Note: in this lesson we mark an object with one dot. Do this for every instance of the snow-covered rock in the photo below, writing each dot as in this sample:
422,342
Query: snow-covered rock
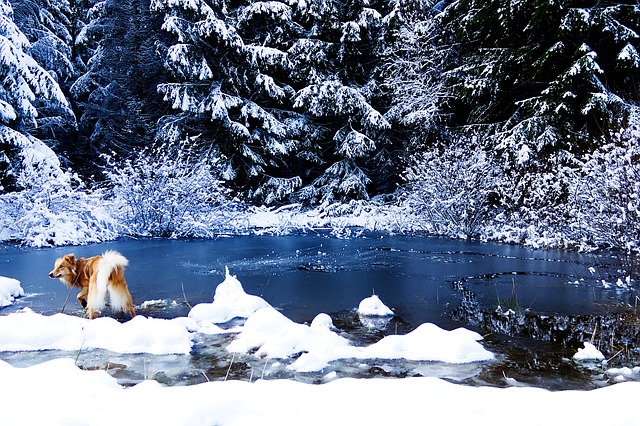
276,336
622,374
429,342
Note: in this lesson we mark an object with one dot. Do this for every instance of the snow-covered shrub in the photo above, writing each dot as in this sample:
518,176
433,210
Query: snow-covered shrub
535,207
450,188
172,192
608,193
53,207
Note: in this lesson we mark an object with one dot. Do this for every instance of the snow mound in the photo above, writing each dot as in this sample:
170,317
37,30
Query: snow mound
9,289
273,335
229,301
373,306
276,336
429,342
588,353
29,331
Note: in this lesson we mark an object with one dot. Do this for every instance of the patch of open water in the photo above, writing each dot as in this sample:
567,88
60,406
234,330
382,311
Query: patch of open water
534,307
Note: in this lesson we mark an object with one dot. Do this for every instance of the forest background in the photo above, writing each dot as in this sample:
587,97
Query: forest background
507,120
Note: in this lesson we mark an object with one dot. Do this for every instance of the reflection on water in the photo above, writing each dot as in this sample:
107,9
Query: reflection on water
447,282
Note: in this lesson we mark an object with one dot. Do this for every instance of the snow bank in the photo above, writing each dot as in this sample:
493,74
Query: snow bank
373,306
229,301
29,331
9,289
273,335
66,395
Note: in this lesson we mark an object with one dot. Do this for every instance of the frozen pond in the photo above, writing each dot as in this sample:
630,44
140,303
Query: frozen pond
449,283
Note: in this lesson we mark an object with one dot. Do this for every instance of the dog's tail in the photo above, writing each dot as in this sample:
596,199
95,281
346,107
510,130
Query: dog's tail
110,262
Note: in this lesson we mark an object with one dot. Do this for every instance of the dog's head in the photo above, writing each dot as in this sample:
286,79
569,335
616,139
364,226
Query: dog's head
64,268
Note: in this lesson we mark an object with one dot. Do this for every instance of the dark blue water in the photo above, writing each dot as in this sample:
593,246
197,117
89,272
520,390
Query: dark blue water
307,274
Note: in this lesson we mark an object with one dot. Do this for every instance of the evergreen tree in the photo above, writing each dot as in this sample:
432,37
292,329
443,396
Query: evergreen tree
25,86
282,92
223,91
544,81
51,26
117,100
48,25
342,96
545,76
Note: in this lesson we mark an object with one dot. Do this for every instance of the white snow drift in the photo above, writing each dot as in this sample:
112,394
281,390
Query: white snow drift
29,331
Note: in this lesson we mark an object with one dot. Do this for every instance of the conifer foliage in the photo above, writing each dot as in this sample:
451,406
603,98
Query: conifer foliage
25,91
282,91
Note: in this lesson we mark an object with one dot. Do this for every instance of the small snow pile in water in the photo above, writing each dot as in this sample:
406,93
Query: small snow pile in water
29,331
230,301
275,336
9,289
373,306
588,353
429,342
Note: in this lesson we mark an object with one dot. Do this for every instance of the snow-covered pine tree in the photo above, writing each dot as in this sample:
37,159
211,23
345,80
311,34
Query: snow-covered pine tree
284,91
25,85
48,24
116,96
51,27
340,91
412,75
229,88
542,79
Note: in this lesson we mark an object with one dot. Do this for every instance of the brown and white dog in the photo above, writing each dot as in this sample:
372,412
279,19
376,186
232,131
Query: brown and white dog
96,276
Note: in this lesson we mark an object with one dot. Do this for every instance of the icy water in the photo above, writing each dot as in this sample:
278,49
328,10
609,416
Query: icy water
534,306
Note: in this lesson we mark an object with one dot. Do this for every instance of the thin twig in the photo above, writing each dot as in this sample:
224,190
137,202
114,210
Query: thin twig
617,353
84,335
229,369
593,336
185,296
264,368
66,300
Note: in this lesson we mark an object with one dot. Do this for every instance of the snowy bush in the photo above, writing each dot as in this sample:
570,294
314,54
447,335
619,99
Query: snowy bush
53,208
170,193
608,194
449,189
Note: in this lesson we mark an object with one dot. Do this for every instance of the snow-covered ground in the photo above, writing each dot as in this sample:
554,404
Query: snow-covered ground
57,392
